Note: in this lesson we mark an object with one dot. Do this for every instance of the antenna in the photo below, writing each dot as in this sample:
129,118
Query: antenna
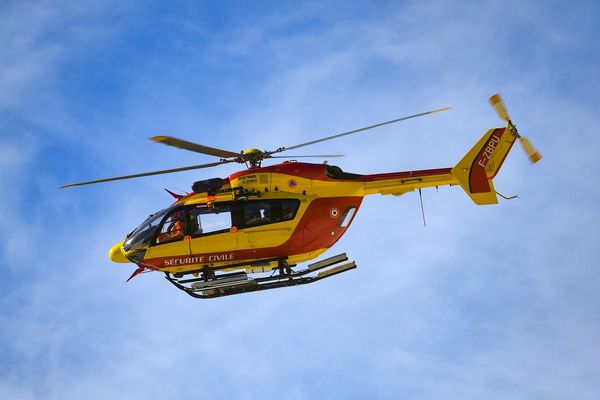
422,208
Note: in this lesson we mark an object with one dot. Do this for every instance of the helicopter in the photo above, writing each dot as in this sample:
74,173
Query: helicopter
252,230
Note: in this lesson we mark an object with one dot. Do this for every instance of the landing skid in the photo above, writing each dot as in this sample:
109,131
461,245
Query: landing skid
209,284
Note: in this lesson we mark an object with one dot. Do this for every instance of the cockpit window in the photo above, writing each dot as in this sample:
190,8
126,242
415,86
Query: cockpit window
145,232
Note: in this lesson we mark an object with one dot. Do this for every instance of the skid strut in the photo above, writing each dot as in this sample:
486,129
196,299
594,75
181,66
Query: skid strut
210,284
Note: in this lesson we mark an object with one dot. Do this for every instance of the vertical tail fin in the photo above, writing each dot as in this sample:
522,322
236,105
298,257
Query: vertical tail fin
476,170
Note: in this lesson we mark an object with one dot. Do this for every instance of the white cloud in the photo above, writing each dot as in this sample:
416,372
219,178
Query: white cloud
484,302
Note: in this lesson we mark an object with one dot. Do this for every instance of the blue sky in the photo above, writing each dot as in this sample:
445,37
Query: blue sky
485,302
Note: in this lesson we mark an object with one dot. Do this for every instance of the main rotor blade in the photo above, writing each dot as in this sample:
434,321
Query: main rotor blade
198,148
312,156
164,171
358,130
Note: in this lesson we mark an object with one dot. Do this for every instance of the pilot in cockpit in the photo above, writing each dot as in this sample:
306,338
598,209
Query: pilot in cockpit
175,230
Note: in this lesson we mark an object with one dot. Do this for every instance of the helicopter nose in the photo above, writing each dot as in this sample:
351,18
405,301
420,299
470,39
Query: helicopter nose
116,255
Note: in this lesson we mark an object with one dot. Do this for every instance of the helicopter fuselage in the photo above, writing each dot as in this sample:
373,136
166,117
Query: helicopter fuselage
290,210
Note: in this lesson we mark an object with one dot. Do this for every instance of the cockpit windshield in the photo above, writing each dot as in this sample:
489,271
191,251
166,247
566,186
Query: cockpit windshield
144,233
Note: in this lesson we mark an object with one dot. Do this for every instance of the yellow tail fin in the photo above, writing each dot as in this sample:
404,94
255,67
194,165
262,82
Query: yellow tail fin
480,165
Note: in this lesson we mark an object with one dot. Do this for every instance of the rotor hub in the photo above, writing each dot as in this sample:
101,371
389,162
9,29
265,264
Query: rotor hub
252,152
253,157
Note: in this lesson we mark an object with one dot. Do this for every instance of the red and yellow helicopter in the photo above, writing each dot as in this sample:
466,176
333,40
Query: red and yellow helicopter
251,230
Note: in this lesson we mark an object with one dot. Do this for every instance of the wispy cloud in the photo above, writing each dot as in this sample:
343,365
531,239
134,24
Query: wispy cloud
485,302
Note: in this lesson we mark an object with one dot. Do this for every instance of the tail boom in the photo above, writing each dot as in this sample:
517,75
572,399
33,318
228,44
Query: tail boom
398,183
474,172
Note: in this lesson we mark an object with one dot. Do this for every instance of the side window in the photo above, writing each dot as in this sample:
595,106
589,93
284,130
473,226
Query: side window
258,213
204,220
255,213
173,228
347,217
289,208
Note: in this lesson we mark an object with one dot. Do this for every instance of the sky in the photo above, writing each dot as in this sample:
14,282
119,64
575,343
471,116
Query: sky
490,302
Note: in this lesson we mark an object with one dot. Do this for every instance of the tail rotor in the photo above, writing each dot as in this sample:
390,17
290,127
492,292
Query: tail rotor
533,155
